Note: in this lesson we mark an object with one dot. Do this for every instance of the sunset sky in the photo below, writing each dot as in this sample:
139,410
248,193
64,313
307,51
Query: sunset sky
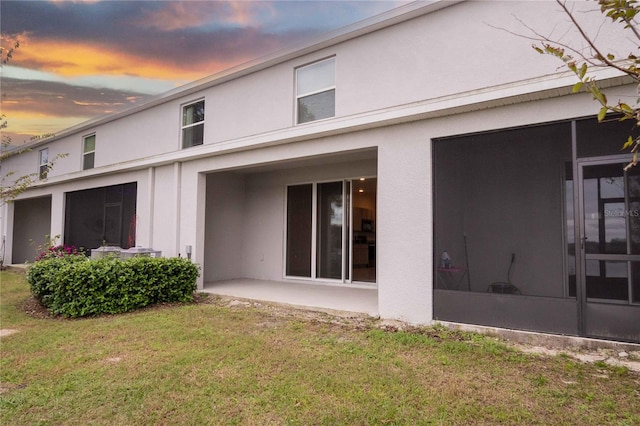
82,59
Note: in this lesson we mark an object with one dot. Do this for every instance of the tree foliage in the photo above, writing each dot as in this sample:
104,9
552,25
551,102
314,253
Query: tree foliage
621,12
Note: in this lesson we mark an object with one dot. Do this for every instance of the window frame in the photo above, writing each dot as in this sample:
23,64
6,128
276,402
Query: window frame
85,153
183,126
326,89
43,167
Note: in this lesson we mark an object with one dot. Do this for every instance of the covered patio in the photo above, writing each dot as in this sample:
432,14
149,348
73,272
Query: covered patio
360,300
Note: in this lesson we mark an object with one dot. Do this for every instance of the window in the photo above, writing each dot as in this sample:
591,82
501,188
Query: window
88,152
316,91
193,124
43,163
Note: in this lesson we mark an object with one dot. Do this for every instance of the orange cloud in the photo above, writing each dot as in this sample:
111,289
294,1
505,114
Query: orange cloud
27,123
81,59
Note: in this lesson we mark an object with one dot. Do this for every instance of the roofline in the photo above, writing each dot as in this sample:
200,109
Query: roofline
313,44
539,88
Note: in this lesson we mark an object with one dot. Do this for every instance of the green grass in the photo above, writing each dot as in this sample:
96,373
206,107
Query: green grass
208,363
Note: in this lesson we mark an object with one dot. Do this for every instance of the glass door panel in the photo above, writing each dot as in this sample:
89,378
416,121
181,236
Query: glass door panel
611,229
347,231
299,229
329,230
363,258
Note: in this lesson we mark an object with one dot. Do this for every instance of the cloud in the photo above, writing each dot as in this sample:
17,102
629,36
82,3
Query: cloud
34,106
85,58
173,16
114,82
168,35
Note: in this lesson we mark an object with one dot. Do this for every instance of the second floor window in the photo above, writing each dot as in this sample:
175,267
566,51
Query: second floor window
193,124
43,163
316,91
88,152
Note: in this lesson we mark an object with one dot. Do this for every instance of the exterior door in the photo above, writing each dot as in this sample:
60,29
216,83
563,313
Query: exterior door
609,229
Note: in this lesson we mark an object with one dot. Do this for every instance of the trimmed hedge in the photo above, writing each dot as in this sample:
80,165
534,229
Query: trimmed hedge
75,286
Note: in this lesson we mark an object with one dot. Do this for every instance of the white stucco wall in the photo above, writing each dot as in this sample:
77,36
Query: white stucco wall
224,230
166,190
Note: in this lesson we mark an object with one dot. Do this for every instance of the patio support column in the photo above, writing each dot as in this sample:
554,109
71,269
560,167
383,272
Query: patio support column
57,216
6,240
404,227
192,216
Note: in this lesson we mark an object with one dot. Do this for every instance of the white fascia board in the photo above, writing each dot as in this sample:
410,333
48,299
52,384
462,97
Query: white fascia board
366,26
524,91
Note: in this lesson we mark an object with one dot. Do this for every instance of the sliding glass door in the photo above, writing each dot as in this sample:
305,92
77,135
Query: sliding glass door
322,232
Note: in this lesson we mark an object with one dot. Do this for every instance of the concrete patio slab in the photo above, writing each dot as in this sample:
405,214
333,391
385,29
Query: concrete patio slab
310,295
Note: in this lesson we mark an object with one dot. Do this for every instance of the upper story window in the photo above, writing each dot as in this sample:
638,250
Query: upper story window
43,163
316,91
193,124
88,152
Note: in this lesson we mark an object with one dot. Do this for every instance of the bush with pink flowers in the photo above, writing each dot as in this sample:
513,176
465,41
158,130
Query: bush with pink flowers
60,250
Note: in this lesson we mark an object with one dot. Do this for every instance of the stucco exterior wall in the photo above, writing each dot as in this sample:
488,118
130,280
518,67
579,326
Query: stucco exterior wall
224,230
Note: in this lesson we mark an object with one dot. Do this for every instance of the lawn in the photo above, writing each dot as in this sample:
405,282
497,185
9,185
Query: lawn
256,364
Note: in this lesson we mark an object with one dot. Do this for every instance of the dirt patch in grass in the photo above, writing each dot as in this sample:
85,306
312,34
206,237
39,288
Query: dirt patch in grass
7,332
35,309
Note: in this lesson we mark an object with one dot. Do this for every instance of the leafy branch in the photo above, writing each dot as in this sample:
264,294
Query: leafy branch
621,12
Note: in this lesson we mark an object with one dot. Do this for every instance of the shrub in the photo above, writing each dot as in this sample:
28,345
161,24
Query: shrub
42,276
74,286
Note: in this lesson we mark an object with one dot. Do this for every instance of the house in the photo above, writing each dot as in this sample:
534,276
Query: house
358,159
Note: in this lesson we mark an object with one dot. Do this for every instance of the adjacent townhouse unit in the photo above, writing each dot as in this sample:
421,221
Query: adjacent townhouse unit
428,156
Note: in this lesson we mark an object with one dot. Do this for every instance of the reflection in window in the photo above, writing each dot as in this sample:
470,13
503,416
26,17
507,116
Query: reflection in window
612,209
193,124
612,228
329,232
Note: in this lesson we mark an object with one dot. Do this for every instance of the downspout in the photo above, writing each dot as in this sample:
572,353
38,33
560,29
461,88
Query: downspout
151,178
177,181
